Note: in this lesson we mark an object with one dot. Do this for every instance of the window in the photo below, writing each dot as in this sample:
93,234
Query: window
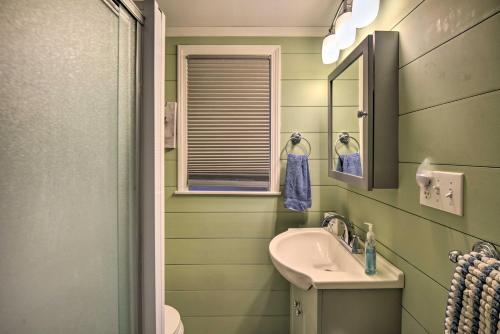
228,99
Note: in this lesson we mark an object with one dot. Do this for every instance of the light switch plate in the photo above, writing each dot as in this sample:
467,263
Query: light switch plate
445,192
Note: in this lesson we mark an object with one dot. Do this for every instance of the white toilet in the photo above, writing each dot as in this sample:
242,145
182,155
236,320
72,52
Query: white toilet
173,323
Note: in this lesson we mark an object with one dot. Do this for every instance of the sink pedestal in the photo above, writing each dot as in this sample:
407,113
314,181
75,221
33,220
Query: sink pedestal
330,292
345,311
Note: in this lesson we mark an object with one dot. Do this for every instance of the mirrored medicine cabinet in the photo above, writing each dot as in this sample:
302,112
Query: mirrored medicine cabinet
363,114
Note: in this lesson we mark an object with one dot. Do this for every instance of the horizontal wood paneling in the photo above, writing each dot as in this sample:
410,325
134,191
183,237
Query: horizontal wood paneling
423,297
237,325
306,93
224,277
350,73
409,325
468,126
345,93
235,224
465,66
438,21
345,119
304,66
224,303
481,208
217,251
397,230
304,119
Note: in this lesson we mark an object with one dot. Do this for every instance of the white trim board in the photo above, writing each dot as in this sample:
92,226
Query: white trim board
152,171
247,31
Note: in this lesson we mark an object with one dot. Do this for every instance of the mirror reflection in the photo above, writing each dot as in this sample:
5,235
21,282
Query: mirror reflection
347,120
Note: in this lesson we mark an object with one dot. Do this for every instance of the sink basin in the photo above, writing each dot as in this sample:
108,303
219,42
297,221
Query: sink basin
313,257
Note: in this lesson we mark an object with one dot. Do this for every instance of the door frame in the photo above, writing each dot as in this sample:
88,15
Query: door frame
152,170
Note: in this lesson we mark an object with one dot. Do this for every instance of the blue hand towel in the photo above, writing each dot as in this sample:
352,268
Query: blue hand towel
350,164
297,183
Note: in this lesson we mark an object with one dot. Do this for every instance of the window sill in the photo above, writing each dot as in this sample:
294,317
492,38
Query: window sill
229,193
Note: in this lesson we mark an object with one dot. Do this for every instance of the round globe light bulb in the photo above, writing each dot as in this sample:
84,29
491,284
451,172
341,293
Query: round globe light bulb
364,12
345,31
330,51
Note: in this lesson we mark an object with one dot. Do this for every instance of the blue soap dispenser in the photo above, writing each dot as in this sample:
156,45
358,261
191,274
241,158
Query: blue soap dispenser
370,253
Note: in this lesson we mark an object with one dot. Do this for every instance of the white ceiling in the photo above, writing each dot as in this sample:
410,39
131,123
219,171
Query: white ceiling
249,13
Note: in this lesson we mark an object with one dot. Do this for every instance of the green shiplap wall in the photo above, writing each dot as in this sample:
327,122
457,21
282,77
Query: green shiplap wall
449,93
218,273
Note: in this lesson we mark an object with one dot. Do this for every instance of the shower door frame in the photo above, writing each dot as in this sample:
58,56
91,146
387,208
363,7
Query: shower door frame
150,75
129,5
149,136
152,170
150,53
150,99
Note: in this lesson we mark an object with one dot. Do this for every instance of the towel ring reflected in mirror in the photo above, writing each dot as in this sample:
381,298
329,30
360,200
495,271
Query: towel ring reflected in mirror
295,139
344,138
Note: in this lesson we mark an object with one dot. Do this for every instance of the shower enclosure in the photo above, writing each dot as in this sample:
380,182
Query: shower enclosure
69,122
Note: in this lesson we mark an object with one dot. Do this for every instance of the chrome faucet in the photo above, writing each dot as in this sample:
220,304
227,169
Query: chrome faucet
349,238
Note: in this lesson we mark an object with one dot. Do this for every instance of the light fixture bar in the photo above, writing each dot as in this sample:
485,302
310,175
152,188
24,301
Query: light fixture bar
343,4
350,15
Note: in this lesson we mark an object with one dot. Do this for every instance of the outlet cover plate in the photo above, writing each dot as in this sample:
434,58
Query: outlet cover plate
444,193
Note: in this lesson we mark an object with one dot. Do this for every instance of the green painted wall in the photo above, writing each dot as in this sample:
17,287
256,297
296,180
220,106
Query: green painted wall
218,273
449,93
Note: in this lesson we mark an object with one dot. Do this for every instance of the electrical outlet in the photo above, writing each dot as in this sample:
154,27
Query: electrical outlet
444,193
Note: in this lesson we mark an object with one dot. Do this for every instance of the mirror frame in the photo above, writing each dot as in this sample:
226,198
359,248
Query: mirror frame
365,49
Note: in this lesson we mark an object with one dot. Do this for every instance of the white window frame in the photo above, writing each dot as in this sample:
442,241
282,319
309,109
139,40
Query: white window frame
183,51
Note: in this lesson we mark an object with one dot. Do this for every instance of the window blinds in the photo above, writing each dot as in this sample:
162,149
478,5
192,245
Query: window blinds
228,122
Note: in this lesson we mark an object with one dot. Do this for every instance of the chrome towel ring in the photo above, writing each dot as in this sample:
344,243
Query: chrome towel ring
295,139
482,247
344,138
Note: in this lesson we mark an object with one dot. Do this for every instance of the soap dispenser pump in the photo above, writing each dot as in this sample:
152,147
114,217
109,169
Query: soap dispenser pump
370,252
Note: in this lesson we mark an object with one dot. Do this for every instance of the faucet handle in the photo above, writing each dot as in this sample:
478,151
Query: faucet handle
332,227
355,244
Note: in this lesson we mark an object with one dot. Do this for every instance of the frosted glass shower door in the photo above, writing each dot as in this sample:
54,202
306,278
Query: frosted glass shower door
128,227
68,203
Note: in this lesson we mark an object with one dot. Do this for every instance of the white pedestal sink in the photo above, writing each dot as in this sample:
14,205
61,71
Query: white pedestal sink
330,292
313,257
